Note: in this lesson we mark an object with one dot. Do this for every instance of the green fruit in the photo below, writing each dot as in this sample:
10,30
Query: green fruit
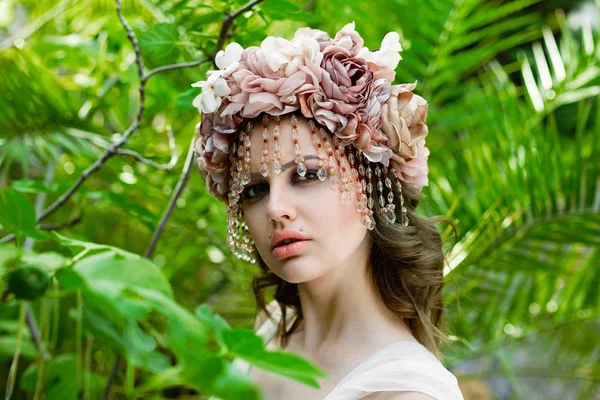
28,282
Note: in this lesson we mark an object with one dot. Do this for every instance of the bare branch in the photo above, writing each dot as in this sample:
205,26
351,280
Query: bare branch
176,66
68,224
164,167
228,21
112,150
183,178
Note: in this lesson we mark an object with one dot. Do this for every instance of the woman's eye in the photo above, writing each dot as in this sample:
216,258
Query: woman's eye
311,175
259,189
253,191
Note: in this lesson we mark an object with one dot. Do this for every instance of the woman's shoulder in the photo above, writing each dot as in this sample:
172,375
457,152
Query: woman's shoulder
402,367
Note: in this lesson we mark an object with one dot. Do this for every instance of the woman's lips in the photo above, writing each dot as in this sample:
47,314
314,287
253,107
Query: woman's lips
290,250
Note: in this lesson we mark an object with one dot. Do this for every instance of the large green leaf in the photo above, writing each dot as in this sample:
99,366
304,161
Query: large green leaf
17,215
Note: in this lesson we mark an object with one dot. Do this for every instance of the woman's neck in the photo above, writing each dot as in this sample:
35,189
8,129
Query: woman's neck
343,309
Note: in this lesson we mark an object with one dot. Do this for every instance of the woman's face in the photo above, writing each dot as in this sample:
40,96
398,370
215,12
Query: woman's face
290,202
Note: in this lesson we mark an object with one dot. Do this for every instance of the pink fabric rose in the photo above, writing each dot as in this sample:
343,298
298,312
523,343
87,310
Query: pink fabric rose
345,88
415,171
403,120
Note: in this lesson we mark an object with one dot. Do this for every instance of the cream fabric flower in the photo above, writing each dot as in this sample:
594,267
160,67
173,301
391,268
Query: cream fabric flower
213,91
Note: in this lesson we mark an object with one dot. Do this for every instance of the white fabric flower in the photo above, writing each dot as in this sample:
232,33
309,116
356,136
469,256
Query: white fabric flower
388,54
228,60
291,55
346,40
213,91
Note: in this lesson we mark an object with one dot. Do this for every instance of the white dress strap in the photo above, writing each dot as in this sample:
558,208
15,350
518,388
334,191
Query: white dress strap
401,366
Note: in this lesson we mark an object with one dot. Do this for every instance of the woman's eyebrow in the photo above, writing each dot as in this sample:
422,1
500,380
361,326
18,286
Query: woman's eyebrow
257,175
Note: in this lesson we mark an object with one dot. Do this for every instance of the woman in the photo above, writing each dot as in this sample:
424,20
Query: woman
321,161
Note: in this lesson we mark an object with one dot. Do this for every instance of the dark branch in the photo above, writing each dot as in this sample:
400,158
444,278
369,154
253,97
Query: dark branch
164,167
176,66
228,21
112,150
52,227
183,178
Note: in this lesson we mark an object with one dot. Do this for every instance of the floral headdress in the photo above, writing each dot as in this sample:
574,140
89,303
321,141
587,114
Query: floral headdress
337,83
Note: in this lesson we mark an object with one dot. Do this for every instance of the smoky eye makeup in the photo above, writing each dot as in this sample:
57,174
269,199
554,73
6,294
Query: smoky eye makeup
255,190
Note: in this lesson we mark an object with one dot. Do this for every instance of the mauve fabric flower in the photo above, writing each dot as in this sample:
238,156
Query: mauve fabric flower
403,118
413,172
345,87
213,153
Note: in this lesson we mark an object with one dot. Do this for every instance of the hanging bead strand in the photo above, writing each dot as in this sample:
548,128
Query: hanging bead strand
276,146
301,169
264,160
404,216
322,172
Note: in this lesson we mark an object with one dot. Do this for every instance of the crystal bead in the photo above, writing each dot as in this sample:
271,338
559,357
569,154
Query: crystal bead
277,166
346,197
351,158
247,141
321,153
370,187
363,183
381,201
371,224
246,178
334,181
361,169
390,197
276,146
371,202
380,186
377,171
404,219
322,174
391,216
264,170
360,207
366,220
301,170
388,182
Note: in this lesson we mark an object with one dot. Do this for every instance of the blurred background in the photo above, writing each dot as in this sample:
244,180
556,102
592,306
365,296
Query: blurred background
513,92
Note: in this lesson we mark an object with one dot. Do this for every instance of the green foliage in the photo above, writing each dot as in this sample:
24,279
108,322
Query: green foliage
17,215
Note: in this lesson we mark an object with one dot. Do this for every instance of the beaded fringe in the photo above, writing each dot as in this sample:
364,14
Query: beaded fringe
355,175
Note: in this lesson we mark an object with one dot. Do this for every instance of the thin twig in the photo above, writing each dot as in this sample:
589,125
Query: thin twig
176,66
54,227
112,376
164,167
228,21
112,150
185,175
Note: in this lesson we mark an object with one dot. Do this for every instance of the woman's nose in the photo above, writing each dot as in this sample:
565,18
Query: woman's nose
281,204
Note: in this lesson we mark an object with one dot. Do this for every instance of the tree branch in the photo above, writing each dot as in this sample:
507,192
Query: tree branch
164,167
176,66
181,183
228,21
